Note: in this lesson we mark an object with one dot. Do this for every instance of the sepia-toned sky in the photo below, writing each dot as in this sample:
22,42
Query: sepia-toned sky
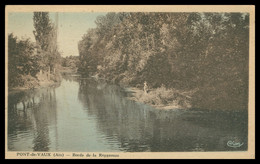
72,26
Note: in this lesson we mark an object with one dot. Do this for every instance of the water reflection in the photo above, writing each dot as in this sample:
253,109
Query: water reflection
31,114
84,114
137,127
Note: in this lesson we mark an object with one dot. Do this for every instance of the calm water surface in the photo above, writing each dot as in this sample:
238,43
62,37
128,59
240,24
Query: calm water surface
85,115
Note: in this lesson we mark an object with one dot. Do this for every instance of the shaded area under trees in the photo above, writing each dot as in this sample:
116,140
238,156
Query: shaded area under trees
207,52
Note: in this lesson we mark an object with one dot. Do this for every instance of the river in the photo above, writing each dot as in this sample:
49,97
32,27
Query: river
86,115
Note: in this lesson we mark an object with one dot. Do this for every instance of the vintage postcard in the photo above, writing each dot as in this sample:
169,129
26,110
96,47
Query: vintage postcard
130,82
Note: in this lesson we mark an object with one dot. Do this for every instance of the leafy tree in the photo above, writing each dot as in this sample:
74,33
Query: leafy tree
188,51
43,29
46,40
22,60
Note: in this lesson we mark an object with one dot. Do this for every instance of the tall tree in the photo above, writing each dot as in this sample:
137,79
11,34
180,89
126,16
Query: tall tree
46,40
43,28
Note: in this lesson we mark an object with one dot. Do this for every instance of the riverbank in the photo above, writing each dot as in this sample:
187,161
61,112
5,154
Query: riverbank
67,70
42,80
162,98
84,102
38,82
159,98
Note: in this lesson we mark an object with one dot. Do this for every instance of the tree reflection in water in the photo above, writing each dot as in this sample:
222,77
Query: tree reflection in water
33,119
138,127
101,118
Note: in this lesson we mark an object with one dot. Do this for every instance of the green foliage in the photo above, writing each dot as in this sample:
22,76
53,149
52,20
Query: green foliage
162,96
70,61
26,59
46,39
43,28
186,51
22,61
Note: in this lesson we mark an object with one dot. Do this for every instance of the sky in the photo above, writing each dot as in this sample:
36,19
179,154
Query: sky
72,26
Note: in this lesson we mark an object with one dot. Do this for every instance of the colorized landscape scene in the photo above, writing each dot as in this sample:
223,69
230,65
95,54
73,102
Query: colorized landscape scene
128,81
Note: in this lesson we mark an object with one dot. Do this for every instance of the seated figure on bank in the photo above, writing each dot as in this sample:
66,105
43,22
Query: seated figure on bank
145,87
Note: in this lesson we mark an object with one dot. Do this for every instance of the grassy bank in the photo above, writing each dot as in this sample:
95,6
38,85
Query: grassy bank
216,97
199,98
28,82
163,98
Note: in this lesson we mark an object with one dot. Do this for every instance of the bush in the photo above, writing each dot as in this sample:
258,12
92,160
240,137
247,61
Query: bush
27,81
162,96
